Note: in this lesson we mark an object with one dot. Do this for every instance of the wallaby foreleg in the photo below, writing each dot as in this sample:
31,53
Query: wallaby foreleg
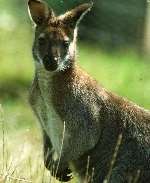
62,173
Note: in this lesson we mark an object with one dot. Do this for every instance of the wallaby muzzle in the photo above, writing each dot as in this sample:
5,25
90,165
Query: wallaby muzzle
50,63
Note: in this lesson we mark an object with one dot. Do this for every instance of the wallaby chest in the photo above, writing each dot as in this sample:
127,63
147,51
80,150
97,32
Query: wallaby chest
44,109
60,103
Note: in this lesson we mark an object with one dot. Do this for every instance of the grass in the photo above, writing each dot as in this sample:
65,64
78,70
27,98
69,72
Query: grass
125,72
21,160
21,156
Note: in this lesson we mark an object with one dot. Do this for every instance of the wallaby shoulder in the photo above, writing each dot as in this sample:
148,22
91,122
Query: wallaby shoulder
83,87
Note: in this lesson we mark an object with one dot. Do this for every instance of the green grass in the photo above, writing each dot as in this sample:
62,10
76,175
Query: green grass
124,73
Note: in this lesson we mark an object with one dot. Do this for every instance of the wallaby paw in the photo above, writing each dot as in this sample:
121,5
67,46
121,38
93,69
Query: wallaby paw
64,175
60,174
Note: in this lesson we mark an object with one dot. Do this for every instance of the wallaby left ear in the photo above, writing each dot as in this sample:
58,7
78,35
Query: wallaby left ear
39,11
73,17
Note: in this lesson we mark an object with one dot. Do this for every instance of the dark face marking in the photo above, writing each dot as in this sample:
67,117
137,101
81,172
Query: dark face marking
52,46
54,34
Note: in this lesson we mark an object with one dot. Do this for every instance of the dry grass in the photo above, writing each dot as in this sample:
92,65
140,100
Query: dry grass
21,157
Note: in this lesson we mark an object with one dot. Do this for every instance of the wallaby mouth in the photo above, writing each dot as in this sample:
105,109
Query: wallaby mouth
50,64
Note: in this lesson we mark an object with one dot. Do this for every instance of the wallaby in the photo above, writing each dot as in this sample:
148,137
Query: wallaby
86,129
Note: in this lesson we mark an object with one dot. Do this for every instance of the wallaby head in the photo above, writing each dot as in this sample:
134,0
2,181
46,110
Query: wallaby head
55,36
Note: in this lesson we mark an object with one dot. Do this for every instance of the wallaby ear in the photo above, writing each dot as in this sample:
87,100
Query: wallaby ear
73,17
39,11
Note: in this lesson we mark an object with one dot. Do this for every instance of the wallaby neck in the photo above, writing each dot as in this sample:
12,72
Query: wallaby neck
42,73
46,76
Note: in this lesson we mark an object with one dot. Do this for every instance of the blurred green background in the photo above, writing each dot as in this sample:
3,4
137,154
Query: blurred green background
112,47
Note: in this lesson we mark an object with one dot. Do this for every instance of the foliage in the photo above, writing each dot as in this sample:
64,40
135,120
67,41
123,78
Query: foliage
110,23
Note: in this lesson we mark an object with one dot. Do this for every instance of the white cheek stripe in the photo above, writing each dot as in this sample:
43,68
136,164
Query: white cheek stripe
39,59
63,64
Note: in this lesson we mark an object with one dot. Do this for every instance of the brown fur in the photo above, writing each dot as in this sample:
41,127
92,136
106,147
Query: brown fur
68,100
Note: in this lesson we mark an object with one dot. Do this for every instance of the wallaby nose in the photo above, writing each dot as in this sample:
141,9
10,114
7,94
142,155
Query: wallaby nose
50,63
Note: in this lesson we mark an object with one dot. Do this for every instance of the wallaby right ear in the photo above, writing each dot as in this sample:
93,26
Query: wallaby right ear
39,11
74,16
